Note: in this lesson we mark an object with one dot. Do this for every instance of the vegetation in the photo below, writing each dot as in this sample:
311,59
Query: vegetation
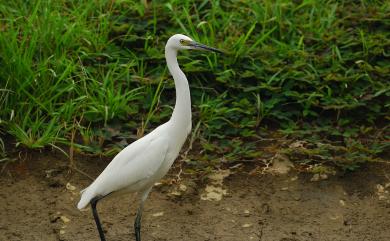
91,75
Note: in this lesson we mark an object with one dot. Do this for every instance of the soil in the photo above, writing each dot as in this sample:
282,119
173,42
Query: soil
38,202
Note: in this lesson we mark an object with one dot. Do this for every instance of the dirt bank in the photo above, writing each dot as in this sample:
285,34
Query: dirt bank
37,204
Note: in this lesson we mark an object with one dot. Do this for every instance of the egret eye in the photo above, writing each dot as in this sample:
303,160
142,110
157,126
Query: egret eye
182,41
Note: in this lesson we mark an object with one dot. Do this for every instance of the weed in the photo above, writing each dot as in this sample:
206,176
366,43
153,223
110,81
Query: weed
318,67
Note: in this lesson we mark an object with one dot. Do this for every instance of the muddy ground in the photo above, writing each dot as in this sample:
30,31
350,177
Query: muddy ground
38,202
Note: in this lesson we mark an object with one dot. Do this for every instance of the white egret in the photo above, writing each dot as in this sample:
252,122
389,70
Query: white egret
138,166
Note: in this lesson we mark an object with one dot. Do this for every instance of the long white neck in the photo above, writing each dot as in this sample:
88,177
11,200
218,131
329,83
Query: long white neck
181,116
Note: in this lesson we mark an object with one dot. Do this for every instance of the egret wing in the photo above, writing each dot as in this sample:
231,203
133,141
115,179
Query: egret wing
133,166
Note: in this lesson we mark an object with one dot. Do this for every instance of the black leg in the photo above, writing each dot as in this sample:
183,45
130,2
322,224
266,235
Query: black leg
137,223
96,217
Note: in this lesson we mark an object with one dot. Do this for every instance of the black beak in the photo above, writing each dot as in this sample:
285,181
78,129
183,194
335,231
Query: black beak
205,47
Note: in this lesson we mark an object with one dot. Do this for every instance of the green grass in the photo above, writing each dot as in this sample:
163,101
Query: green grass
315,70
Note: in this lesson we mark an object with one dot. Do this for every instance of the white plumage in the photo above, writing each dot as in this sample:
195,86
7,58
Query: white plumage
135,168
138,166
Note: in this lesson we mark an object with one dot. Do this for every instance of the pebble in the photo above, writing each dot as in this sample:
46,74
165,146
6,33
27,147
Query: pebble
159,214
65,219
70,187
183,187
246,213
247,225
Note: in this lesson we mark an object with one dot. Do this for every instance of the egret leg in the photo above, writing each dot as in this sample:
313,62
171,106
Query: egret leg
137,223
94,202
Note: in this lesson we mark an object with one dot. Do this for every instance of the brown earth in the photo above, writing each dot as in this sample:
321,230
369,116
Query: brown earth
37,204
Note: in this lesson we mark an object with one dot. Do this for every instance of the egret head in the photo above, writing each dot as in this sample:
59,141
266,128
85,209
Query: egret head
180,41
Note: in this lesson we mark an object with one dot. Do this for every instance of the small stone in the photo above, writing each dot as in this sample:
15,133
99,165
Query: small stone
294,178
65,219
159,214
323,176
183,187
382,197
246,213
70,187
281,164
315,178
62,232
247,225
380,188
335,217
342,202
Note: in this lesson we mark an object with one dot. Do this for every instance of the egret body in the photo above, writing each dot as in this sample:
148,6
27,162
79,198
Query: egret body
141,164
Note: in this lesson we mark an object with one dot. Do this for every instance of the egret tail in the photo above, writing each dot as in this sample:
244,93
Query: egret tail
86,197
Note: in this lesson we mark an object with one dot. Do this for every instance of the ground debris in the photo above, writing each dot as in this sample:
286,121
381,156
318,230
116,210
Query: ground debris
382,192
70,187
247,225
182,190
215,191
247,213
28,205
159,214
280,164
65,219
317,177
